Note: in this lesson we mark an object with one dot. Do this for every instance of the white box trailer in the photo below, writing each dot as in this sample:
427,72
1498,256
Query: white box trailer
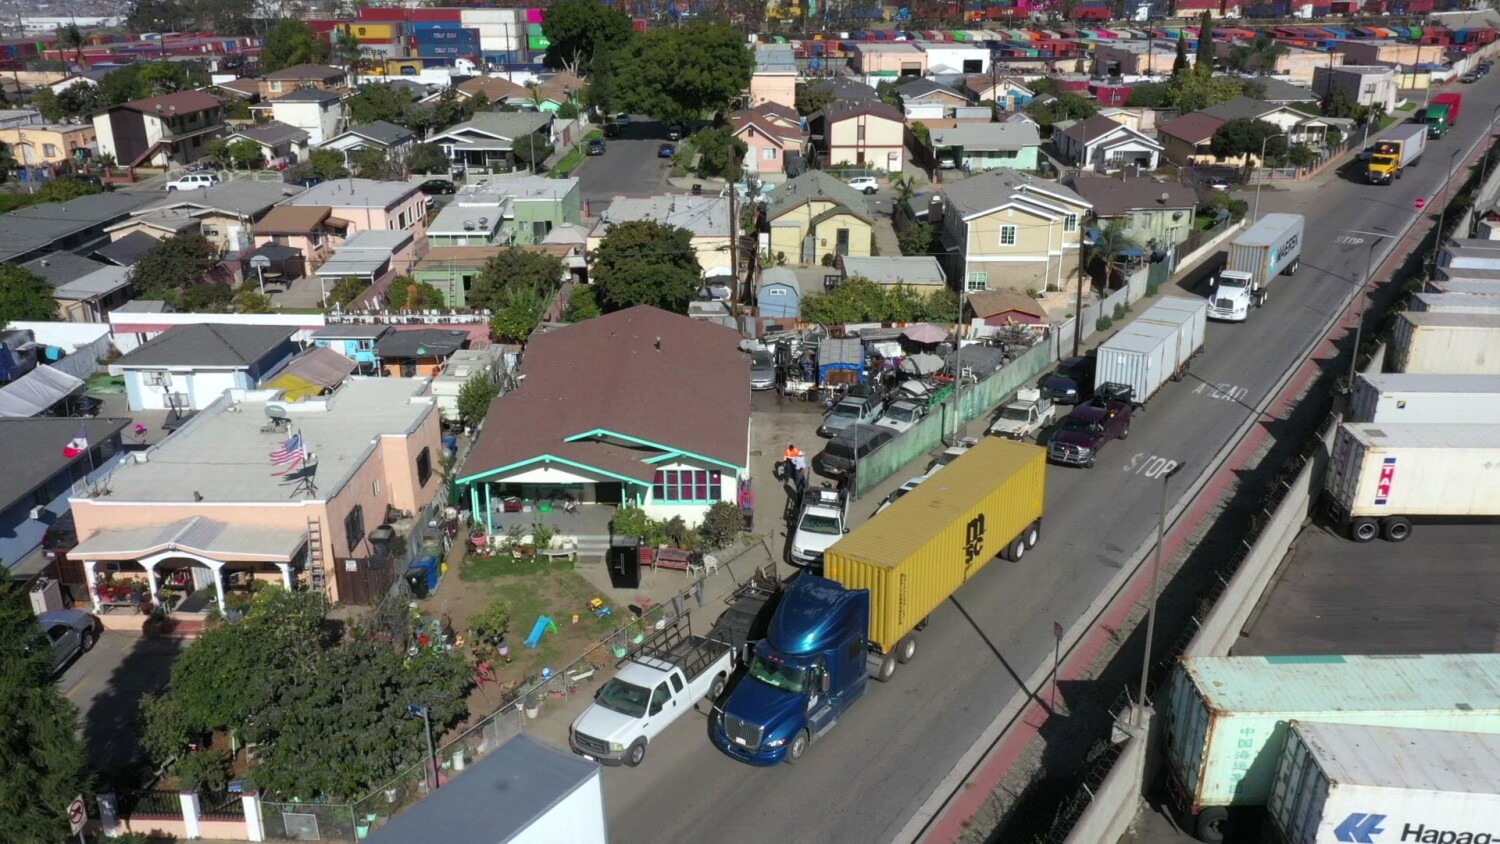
1465,343
1189,317
1425,399
1338,783
1224,718
1381,475
1472,286
526,792
1455,303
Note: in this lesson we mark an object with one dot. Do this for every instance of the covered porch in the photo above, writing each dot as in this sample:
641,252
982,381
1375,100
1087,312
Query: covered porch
201,557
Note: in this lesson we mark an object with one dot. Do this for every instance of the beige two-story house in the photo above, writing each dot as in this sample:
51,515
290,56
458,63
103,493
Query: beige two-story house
861,133
1008,230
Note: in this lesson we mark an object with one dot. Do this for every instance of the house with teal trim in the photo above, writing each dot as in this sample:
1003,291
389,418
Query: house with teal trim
640,407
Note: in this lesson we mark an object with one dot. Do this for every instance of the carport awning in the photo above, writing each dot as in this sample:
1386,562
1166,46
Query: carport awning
195,537
312,372
370,268
36,391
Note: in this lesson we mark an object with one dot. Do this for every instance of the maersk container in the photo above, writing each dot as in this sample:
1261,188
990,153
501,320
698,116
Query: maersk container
1225,719
1142,355
1381,475
1455,303
1188,316
915,554
1466,285
1437,342
1397,398
1338,783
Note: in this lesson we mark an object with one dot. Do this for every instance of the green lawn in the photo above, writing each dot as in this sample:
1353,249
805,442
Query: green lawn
1407,106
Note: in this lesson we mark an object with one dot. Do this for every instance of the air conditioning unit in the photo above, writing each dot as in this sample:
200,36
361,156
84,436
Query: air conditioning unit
37,513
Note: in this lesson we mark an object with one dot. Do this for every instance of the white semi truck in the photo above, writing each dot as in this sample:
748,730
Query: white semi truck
1270,247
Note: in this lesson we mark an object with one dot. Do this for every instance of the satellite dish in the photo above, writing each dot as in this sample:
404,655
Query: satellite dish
275,411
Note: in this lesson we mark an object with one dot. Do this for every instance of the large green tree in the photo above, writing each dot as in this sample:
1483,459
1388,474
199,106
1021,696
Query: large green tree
858,299
43,766
643,262
291,42
1206,51
514,267
720,153
24,295
378,101
474,399
173,264
1258,56
580,31
809,101
1243,136
532,150
682,73
521,310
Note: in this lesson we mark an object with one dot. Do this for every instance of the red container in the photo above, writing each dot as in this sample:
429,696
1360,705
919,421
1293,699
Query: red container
639,24
381,13
435,15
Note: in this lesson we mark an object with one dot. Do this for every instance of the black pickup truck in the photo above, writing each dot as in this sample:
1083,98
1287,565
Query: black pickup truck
1085,431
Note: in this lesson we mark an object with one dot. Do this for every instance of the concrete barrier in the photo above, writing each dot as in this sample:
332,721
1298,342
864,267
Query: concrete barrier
1118,799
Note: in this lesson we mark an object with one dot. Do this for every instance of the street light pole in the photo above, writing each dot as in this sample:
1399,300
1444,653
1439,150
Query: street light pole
416,709
1437,243
1161,540
1255,214
1359,317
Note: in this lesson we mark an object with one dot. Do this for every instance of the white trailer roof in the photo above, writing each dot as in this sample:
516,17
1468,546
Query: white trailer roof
1390,757
1421,382
1406,435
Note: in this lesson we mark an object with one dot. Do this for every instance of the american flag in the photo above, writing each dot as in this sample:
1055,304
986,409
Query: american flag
291,454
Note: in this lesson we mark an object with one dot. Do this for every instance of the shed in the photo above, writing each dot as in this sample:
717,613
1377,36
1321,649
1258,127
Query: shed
838,359
1003,307
780,294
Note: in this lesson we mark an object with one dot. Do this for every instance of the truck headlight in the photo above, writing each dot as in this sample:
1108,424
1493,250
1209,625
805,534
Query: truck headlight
798,551
1072,391
616,747
776,742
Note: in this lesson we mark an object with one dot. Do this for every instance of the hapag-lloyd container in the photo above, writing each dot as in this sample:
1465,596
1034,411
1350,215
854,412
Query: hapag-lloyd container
1446,342
1225,718
1383,470
1337,782
1396,398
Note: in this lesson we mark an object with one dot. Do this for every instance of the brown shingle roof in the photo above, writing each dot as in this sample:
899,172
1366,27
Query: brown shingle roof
293,219
1087,130
320,72
1195,128
1116,196
689,393
988,303
442,257
495,88
186,102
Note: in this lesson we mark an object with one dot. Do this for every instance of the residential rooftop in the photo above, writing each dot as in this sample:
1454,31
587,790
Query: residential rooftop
978,194
221,453
704,216
308,95
921,270
382,132
207,345
355,193
237,197
988,137
30,230
34,451
60,268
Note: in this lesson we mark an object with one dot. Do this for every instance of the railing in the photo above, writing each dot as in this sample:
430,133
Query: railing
222,807
420,317
151,803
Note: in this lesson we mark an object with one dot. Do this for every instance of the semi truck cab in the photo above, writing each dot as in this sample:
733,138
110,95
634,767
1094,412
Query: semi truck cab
808,670
1234,292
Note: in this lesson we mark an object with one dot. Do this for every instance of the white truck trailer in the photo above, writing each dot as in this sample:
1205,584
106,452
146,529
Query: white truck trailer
1467,343
1339,783
1270,247
1425,399
1454,303
1225,717
1381,475
1155,348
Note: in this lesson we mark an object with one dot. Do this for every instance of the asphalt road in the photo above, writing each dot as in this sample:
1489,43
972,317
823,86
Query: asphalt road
107,683
868,776
628,167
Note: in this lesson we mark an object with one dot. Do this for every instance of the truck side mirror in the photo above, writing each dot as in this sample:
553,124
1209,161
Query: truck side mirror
1213,280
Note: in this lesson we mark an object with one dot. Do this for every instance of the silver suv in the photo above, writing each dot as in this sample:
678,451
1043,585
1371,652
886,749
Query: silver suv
854,410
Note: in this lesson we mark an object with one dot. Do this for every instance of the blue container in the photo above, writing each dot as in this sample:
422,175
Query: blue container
463,37
421,25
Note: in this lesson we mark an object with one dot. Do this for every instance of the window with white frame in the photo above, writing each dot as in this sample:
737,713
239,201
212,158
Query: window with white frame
978,281
686,486
769,153
1008,235
1070,223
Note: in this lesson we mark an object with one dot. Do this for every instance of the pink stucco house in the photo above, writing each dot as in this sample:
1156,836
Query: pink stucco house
773,133
368,205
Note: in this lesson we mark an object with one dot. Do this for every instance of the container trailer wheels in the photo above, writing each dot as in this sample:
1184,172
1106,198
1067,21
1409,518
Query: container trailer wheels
906,649
1396,529
1017,550
1033,534
1363,529
1210,824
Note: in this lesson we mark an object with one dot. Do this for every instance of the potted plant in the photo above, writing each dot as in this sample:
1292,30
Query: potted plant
533,704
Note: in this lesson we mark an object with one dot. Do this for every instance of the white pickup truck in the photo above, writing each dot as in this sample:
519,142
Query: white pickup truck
1025,416
656,684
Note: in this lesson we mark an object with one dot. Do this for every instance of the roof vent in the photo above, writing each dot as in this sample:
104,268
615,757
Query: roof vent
484,221
468,225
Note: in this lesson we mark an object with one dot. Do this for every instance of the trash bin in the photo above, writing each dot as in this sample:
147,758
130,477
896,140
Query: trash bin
624,563
416,580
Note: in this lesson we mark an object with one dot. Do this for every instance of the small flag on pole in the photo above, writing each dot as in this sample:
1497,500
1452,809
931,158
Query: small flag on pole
291,455
78,445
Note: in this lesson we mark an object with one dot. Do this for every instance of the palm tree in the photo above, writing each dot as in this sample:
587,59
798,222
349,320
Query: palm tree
904,186
70,38
347,55
1113,239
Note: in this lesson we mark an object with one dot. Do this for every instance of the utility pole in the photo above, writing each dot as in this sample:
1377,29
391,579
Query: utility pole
734,241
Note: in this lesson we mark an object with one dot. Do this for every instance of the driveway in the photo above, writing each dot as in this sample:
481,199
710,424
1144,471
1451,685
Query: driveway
628,167
107,683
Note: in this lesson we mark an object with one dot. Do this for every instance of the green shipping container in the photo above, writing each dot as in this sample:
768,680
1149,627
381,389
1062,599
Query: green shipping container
538,42
1226,717
928,544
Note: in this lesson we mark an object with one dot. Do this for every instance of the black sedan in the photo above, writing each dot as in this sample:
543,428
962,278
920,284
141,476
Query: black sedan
437,187
1072,382
595,147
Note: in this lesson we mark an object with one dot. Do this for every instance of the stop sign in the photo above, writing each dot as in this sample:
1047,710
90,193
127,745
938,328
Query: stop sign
1420,203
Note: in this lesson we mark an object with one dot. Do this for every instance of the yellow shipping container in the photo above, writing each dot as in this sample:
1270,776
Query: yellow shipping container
372,31
918,552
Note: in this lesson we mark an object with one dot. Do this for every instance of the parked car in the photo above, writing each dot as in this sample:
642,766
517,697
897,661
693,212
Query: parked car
1218,184
950,454
762,370
869,185
309,182
70,633
595,147
1366,153
1072,382
677,131
193,180
842,453
1470,78
851,410
823,520
622,119
438,187
911,484
1024,417
611,130
901,416
666,151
